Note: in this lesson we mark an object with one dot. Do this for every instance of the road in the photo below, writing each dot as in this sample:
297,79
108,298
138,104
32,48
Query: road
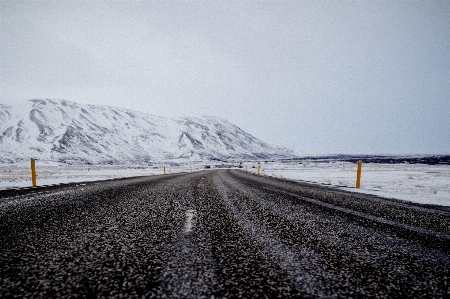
219,234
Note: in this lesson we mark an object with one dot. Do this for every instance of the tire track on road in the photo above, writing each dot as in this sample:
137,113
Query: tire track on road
301,266
244,272
367,259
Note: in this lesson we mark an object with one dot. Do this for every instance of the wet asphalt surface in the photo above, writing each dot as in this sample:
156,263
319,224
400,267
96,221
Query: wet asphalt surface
219,234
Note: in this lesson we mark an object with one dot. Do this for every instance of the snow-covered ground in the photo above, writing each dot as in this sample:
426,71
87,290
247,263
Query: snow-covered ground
419,183
16,176
412,182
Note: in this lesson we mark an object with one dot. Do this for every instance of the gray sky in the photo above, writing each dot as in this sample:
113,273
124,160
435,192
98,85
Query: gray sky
318,76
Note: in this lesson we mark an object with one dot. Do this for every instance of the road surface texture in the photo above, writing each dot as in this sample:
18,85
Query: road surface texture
219,234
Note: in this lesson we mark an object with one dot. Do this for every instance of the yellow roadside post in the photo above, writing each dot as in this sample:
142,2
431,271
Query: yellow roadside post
165,170
246,168
259,169
358,174
191,169
33,172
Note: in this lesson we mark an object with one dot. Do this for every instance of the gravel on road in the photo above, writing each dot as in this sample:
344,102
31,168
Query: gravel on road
219,234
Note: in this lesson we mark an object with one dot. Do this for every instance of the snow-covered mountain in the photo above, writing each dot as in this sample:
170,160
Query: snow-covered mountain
59,130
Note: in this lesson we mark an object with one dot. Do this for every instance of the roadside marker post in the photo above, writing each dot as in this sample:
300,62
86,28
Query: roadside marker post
358,174
246,168
191,169
259,169
165,170
33,172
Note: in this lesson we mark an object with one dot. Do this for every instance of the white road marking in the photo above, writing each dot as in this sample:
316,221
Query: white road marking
189,221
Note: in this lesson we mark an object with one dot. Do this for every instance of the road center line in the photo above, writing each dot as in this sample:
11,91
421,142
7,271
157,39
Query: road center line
189,221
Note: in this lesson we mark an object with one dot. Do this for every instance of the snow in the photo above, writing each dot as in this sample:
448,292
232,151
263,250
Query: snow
58,130
17,176
420,183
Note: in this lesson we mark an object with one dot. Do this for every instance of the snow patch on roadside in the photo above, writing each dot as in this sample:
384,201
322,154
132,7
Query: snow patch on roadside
19,175
420,183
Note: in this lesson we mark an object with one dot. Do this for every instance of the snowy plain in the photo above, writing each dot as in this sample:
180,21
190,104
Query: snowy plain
420,183
49,173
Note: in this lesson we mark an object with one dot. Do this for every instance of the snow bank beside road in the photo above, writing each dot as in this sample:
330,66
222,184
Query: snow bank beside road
427,184
16,176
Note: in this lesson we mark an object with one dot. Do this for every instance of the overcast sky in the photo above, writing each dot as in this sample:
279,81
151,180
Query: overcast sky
321,77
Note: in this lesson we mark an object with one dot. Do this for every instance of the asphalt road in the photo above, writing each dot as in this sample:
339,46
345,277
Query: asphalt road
219,234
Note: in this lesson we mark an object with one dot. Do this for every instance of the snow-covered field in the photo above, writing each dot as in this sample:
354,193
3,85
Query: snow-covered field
16,176
419,183
413,182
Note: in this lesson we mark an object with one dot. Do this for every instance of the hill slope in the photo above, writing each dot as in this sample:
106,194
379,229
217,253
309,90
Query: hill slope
60,130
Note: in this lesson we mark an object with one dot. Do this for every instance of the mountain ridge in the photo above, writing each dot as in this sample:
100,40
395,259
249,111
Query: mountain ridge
60,130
